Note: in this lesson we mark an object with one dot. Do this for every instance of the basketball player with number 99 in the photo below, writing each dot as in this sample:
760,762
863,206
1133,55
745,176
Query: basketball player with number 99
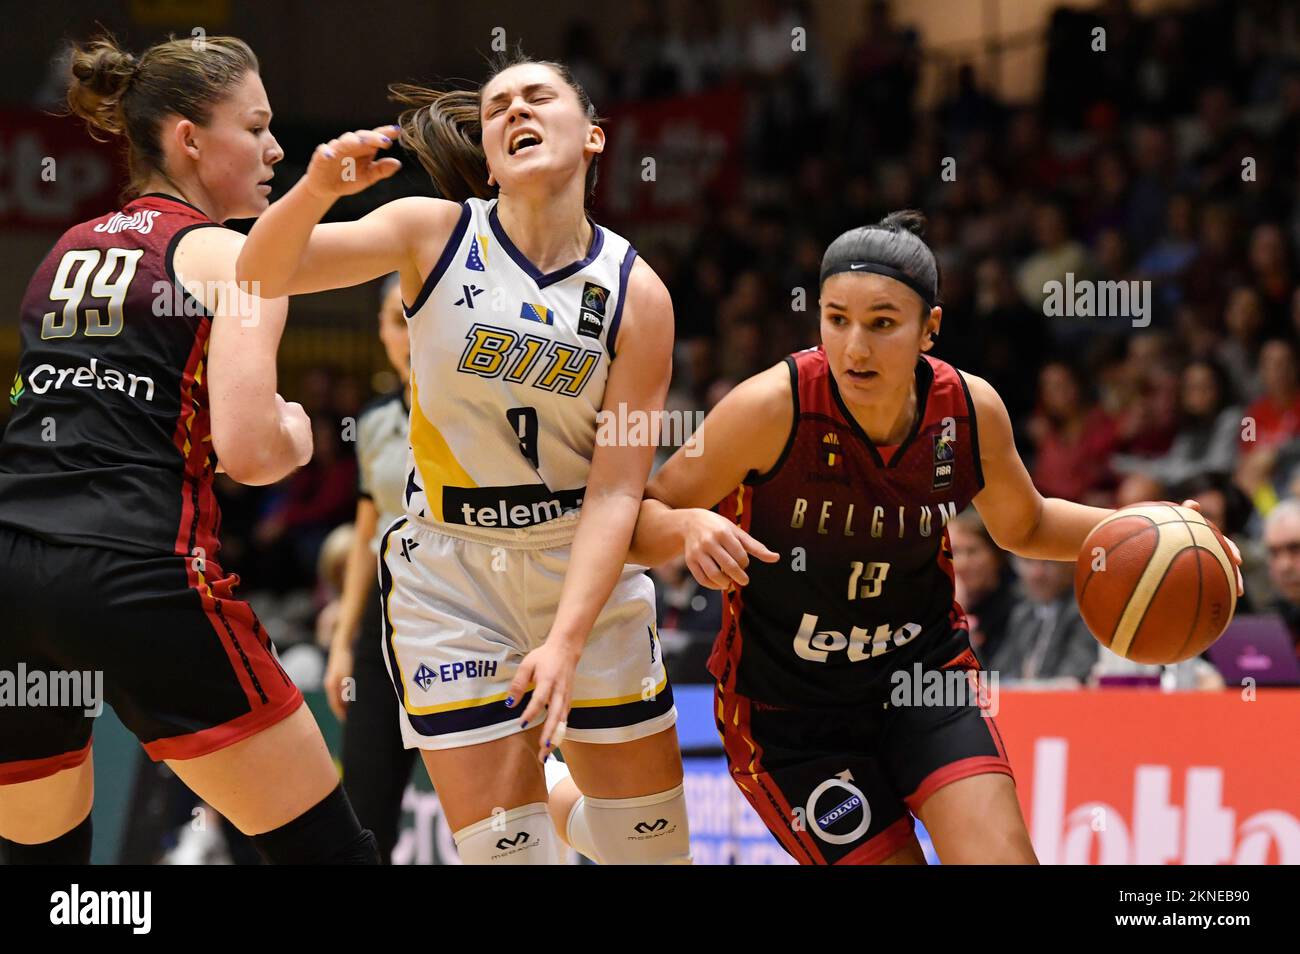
143,370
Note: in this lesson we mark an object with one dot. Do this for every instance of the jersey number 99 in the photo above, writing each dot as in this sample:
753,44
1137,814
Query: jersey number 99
69,286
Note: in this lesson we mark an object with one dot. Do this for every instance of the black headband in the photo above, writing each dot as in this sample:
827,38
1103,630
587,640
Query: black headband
927,294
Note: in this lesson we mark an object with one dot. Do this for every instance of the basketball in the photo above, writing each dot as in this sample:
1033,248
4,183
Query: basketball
1155,583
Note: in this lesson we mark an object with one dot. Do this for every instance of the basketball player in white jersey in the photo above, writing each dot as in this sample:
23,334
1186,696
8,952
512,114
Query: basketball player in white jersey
511,621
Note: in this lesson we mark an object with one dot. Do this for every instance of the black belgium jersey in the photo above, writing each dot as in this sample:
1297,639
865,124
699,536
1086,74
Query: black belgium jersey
110,443
864,585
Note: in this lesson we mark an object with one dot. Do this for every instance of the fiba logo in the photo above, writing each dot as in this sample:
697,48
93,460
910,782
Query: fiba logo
943,458
591,316
594,297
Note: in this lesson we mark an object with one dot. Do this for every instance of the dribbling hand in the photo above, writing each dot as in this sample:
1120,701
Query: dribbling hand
1232,548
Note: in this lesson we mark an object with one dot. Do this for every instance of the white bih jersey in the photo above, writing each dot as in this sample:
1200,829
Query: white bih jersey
508,372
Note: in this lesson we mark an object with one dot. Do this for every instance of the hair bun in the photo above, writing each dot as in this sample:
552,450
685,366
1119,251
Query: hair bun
100,71
908,220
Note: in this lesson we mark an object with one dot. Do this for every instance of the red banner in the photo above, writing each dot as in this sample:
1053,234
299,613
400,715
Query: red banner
664,158
1144,777
52,173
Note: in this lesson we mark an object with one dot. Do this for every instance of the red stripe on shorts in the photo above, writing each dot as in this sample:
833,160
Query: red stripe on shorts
29,770
745,762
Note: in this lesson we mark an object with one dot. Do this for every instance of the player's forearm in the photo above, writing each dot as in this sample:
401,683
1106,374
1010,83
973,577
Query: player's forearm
1061,528
659,534
599,552
275,246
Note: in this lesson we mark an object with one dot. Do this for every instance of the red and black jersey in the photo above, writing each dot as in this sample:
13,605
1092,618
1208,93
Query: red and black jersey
864,585
110,442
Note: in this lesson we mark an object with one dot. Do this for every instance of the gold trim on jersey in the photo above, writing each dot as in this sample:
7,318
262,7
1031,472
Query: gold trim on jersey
433,458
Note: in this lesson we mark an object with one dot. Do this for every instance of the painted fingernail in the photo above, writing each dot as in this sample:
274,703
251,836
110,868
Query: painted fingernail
329,153
510,700
386,140
524,724
548,743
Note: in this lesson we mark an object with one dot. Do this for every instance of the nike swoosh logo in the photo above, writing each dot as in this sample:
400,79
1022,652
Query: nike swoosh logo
856,266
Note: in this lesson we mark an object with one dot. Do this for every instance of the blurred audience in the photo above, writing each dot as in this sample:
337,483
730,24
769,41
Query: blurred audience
1072,438
985,584
1047,640
1282,544
1138,174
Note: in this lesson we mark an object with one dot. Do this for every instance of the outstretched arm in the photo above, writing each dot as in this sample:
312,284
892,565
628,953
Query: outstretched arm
1018,517
288,251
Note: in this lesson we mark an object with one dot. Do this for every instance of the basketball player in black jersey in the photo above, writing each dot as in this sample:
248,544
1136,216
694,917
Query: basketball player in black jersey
848,460
143,370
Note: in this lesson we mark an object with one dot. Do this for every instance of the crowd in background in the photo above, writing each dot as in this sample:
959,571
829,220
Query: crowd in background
1171,157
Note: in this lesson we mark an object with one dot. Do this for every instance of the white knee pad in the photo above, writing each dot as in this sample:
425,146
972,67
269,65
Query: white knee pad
520,836
650,830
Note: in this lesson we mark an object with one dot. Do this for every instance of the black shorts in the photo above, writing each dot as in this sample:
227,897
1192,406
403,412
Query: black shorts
186,666
839,786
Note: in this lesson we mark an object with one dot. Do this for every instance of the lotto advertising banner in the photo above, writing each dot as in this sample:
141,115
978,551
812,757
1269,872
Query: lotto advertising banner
1104,777
1145,777
52,174
664,158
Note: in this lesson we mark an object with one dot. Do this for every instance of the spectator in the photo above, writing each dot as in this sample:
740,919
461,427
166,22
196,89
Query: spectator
1272,274
1272,419
315,500
1073,441
1282,544
1209,428
689,616
1166,262
1046,636
1057,253
706,50
985,585
1240,353
1226,505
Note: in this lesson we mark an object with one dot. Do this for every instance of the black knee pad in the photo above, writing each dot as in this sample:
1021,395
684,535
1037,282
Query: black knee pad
70,848
328,833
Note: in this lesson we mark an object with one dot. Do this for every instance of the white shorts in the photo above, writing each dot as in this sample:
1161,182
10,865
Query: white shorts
461,610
